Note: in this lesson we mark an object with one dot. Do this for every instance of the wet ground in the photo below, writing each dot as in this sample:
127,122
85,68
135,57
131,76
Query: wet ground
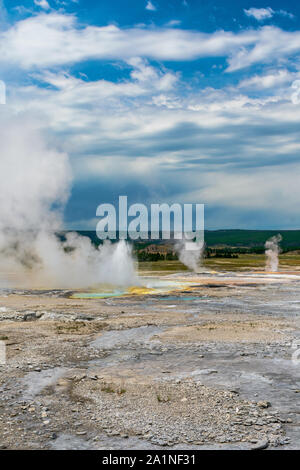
181,361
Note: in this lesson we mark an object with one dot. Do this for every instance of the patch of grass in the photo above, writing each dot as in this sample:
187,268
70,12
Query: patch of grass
161,399
69,328
243,262
3,338
107,389
79,327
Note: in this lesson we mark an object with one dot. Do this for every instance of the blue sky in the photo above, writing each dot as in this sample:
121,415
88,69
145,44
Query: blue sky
164,101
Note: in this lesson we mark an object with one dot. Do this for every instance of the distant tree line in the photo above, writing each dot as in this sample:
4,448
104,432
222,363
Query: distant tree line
144,256
220,253
219,244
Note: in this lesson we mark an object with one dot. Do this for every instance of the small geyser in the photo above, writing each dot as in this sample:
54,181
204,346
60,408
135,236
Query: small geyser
190,254
116,264
272,252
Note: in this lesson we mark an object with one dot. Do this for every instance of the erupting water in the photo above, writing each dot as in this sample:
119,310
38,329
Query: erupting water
272,252
35,181
190,258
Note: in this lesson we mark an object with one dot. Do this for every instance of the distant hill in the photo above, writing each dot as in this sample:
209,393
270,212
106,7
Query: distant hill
238,240
252,238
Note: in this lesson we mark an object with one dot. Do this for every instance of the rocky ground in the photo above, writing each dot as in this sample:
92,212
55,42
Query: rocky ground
205,367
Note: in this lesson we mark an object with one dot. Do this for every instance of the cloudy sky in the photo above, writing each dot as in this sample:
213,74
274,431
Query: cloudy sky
164,101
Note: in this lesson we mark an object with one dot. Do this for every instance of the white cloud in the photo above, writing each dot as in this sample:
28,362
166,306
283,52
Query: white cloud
218,146
42,4
63,41
271,45
156,79
173,23
146,81
150,6
236,188
149,105
285,13
260,14
230,150
272,79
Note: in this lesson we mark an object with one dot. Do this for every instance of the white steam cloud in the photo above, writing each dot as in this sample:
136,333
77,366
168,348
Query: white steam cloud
272,252
191,258
35,185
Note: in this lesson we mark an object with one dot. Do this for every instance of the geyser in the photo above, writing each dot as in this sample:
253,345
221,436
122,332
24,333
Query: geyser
35,185
272,252
190,253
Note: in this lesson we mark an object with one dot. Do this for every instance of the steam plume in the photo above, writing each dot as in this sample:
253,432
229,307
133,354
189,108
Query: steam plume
190,257
272,252
35,185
